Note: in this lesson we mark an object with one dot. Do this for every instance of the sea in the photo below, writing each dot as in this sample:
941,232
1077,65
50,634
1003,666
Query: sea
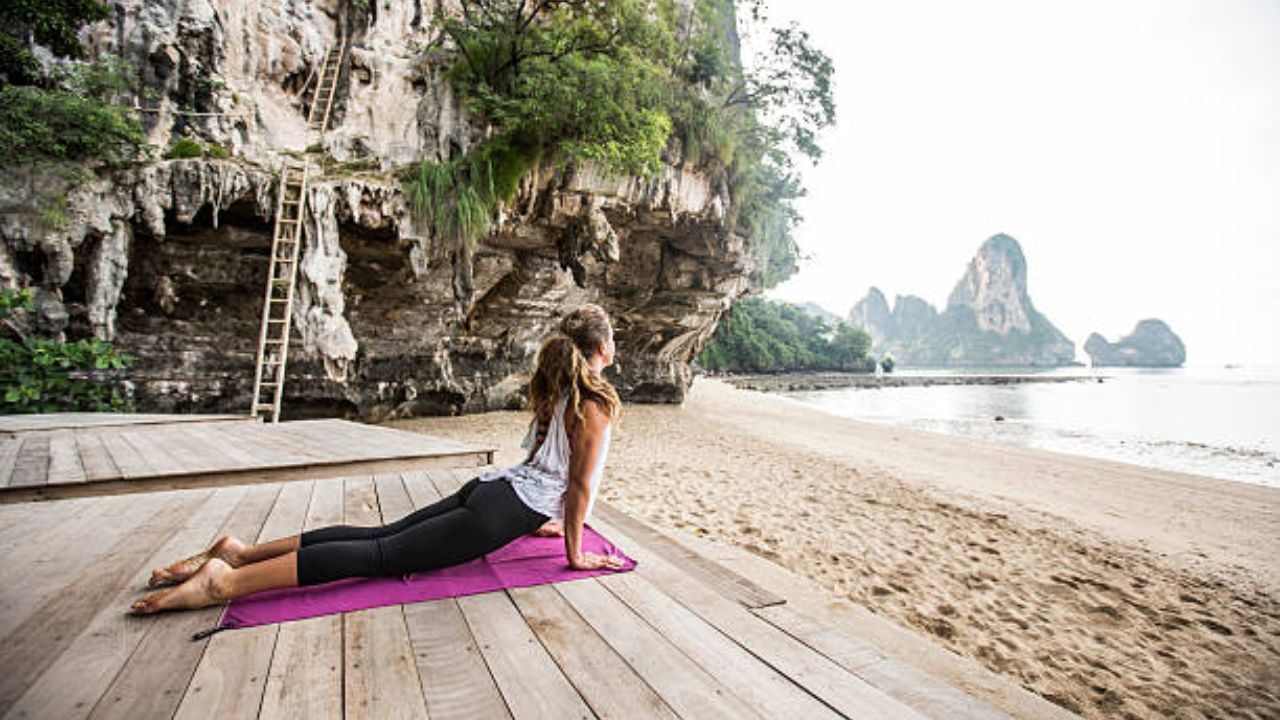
1221,421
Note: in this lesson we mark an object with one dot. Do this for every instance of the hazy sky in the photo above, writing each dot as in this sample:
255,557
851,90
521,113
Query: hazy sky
1132,147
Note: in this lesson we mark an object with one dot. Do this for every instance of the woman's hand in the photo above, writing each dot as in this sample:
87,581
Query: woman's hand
551,528
592,561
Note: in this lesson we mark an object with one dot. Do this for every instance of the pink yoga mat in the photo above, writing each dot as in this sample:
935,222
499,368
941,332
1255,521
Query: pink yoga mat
525,561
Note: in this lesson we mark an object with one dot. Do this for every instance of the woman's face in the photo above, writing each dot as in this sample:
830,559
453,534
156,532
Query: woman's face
608,349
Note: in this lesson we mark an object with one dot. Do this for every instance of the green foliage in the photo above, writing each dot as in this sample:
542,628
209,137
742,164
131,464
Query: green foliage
55,25
458,199
183,148
765,336
38,124
749,124
887,363
43,375
72,119
608,82
580,80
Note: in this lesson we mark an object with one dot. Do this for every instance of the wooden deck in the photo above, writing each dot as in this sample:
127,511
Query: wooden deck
681,636
44,457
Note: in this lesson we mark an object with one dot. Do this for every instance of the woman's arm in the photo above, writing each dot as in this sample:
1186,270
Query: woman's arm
582,464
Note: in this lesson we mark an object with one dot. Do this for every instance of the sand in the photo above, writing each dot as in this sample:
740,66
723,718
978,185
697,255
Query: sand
1110,589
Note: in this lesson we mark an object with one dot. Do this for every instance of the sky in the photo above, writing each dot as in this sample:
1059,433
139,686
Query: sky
1132,147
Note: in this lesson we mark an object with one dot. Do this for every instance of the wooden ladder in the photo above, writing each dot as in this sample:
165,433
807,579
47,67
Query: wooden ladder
326,86
273,338
286,244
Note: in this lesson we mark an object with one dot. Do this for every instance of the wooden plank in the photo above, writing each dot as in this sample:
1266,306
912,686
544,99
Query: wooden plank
835,686
743,674
186,440
230,679
388,442
46,560
281,443
393,499
336,438
94,458
244,476
305,678
455,680
411,442
605,680
689,689
64,458
18,522
10,424
446,481
241,452
712,574
152,682
126,457
32,465
912,687
60,661
527,676
159,455
9,447
380,678
28,650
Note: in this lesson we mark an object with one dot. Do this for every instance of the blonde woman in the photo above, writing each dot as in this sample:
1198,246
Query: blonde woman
550,493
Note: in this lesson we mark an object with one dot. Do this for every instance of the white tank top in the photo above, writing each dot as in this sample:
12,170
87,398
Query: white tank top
542,480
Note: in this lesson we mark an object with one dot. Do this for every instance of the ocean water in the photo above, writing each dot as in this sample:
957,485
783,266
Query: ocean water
1215,421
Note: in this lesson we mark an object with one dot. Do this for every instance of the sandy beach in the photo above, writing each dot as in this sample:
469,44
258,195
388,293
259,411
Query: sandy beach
1110,589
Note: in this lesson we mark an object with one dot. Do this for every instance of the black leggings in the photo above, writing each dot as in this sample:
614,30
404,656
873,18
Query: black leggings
480,518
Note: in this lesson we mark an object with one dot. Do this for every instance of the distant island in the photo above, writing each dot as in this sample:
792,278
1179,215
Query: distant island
989,319
1151,344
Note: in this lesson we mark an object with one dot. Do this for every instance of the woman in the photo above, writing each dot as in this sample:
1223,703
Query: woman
550,493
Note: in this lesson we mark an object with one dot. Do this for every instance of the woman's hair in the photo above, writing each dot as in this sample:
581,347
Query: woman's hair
562,366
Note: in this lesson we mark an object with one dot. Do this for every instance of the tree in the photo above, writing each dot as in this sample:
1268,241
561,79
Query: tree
574,80
54,25
760,335
850,346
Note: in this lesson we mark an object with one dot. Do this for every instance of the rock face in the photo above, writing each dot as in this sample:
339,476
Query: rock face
873,315
1151,344
170,259
989,319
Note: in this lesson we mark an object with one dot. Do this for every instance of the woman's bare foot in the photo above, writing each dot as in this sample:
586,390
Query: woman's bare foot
551,528
227,548
206,587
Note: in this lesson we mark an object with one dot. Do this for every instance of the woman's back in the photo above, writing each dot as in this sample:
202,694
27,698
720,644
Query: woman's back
542,480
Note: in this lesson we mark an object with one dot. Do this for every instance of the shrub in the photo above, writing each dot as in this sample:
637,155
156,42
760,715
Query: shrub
40,375
39,124
184,148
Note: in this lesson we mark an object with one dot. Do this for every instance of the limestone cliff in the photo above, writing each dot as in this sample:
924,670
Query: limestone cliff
1151,344
989,319
169,259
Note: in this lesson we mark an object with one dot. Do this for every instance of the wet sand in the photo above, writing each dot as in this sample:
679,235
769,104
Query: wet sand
1111,589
